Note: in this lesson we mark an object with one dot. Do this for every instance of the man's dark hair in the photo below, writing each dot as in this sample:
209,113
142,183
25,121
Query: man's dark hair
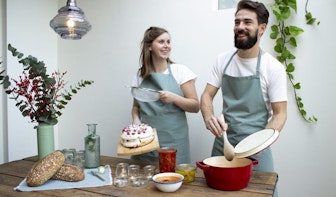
258,8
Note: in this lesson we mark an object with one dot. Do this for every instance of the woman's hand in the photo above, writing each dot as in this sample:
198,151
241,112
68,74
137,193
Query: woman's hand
188,102
167,97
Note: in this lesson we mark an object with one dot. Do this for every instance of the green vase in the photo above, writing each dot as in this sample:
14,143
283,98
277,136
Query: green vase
45,139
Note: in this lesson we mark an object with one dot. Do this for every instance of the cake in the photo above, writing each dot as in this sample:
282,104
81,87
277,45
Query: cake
133,136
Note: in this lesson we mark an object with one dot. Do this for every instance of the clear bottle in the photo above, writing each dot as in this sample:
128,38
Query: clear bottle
92,148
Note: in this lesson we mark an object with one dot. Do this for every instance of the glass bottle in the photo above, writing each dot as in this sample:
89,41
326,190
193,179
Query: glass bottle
92,148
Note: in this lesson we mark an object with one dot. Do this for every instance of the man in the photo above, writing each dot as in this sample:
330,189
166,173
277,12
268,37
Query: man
253,86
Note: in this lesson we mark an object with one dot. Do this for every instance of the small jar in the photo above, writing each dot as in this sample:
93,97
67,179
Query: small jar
133,172
79,159
140,181
120,181
121,170
188,171
149,171
69,155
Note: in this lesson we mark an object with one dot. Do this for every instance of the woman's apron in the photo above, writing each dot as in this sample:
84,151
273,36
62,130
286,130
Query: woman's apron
245,112
169,120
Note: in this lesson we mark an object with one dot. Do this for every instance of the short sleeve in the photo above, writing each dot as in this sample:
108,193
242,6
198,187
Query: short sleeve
182,73
217,71
277,89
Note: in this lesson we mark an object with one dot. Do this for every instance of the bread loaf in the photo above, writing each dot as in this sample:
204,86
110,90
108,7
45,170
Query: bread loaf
70,173
45,168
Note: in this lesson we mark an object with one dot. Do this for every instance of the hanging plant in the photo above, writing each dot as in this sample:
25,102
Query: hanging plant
285,40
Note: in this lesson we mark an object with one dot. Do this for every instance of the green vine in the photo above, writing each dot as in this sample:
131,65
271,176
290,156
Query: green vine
309,18
285,40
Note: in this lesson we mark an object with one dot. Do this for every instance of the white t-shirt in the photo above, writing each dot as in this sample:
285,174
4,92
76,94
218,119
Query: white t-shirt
180,72
272,74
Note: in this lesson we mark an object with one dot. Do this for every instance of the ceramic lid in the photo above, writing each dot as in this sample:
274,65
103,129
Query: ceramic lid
256,142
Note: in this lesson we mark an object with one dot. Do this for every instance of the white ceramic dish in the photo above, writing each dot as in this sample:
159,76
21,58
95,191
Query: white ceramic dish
168,181
256,142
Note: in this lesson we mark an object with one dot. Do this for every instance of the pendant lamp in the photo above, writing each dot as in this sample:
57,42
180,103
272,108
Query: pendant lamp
70,22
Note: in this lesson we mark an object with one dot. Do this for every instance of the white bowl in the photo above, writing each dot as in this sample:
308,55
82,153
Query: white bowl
168,181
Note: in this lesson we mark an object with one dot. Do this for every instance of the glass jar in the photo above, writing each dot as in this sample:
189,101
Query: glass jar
69,155
79,159
92,148
167,159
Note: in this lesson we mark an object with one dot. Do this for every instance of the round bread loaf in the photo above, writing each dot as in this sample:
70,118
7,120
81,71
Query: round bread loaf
70,173
45,168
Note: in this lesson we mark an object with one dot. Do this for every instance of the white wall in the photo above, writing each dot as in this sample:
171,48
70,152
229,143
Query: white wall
27,30
109,54
3,131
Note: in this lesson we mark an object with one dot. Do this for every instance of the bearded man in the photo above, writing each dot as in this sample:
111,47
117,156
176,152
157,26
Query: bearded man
253,84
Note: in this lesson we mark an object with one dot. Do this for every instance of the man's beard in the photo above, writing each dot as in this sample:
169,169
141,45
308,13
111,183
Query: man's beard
249,43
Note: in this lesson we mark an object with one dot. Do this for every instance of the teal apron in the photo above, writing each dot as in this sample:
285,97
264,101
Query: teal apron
245,112
169,120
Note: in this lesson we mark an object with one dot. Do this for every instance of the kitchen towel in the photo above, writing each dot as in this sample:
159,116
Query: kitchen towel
89,181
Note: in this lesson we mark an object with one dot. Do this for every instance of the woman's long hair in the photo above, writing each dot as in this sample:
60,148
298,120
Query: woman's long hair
146,61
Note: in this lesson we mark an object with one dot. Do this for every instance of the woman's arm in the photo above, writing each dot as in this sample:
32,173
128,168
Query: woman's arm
135,113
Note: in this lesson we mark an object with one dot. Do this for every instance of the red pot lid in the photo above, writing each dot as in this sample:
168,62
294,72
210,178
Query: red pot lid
256,142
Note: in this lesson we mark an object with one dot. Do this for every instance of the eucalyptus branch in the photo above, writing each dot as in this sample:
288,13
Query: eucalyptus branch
38,95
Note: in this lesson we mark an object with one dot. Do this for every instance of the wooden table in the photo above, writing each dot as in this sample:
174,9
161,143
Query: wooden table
12,173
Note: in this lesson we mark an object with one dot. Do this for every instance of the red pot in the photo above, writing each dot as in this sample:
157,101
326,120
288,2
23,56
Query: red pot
227,175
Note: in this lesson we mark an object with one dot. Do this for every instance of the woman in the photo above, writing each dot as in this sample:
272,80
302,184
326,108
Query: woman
176,84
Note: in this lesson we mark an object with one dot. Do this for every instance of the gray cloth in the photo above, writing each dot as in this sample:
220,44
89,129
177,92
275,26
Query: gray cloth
89,181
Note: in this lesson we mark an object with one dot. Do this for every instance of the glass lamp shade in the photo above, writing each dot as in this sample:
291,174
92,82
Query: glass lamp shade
70,22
